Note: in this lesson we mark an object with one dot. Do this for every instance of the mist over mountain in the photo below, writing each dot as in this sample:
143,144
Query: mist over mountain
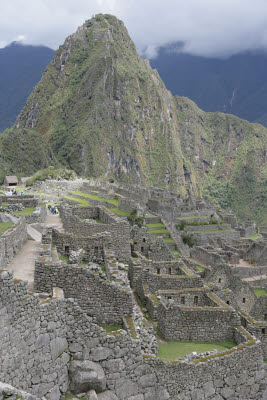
236,85
21,68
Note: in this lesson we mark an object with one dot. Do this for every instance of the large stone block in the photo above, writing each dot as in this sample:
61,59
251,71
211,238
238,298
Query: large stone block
86,375
58,346
107,395
125,388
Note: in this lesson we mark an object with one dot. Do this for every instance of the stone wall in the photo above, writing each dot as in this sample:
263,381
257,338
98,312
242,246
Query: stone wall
127,205
38,341
116,226
38,215
11,241
106,301
210,323
26,201
257,254
157,282
93,246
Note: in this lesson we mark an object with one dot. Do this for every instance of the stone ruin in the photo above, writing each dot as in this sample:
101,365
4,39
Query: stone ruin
112,273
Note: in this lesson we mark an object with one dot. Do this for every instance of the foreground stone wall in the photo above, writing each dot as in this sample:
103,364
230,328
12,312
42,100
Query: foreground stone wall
38,341
11,241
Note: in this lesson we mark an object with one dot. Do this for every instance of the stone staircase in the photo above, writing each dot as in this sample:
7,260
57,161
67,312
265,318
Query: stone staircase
157,228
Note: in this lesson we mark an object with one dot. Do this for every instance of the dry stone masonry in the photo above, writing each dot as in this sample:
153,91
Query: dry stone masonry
123,291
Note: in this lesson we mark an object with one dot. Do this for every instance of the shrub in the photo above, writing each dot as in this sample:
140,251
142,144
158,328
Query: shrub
189,239
134,219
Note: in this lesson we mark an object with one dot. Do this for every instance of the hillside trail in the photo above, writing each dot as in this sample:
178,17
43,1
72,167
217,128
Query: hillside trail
24,261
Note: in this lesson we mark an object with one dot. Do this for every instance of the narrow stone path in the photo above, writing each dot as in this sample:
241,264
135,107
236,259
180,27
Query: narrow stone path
23,263
54,220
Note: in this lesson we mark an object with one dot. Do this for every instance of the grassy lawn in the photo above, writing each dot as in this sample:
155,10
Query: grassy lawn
168,240
95,197
218,231
4,226
172,350
111,328
176,252
158,225
155,231
26,211
254,236
260,292
200,268
83,203
119,212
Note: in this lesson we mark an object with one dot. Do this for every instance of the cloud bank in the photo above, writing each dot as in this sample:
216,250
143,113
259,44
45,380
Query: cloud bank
212,28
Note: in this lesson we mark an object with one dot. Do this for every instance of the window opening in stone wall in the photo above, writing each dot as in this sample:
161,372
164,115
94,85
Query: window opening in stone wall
265,317
170,271
67,250
220,279
196,300
96,251
142,249
183,300
158,271
228,302
144,240
244,299
263,331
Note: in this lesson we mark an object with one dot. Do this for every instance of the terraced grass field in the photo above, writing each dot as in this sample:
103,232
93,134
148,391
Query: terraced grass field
172,350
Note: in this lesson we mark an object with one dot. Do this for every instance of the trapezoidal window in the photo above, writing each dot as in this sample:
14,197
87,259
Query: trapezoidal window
244,300
196,300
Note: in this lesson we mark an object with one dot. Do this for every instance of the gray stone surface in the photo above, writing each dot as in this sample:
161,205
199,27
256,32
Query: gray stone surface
86,375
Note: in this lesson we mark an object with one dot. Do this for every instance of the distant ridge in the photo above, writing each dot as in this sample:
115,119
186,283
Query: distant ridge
21,68
236,85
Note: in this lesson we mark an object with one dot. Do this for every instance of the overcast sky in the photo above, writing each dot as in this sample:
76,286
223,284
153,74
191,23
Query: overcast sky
207,27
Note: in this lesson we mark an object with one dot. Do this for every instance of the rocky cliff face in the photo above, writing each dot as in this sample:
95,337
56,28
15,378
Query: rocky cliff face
102,111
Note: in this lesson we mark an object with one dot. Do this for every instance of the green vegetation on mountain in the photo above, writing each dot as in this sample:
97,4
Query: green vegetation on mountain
101,111
51,173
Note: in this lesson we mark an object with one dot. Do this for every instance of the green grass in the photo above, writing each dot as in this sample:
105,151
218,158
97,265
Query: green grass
172,350
253,236
119,212
26,211
103,268
260,292
158,225
200,268
158,231
111,328
218,231
4,204
62,257
4,226
95,197
176,252
83,203
194,217
265,361
168,240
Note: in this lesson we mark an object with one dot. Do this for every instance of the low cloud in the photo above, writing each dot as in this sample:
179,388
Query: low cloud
217,28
